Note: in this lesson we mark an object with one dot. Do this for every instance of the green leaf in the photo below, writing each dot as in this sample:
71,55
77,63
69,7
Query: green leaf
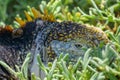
8,68
41,65
50,74
25,64
86,59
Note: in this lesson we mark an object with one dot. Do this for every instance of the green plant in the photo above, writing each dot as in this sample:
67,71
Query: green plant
3,9
87,68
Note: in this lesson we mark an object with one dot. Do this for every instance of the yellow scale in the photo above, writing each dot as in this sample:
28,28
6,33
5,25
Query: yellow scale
82,33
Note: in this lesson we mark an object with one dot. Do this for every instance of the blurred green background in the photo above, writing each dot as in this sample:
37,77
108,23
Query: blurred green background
10,8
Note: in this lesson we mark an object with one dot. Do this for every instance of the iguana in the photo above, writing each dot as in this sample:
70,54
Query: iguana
36,34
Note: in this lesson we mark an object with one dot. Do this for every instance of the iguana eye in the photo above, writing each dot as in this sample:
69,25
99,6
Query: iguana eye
17,33
78,45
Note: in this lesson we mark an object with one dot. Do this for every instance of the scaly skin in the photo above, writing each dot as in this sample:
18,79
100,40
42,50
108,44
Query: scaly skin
36,35
69,31
43,33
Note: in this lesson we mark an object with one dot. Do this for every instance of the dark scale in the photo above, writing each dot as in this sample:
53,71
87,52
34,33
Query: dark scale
41,33
13,50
